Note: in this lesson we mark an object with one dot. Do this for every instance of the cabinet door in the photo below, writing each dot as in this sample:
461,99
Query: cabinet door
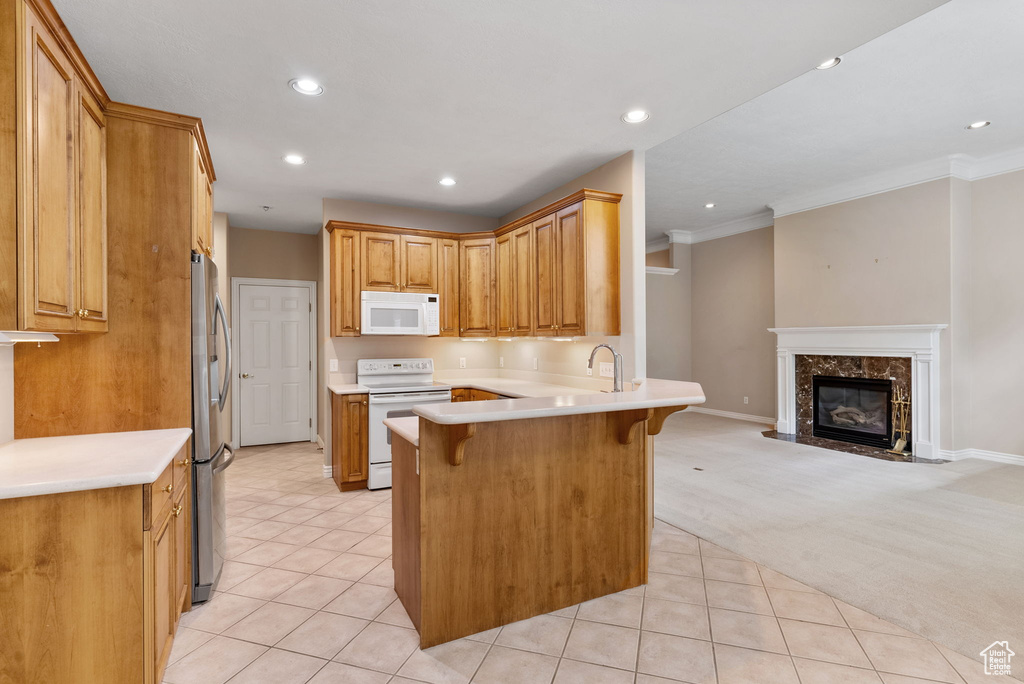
419,264
476,264
46,244
545,280
483,395
448,273
161,613
461,394
350,458
202,204
180,519
345,302
380,261
522,281
91,139
570,270
505,294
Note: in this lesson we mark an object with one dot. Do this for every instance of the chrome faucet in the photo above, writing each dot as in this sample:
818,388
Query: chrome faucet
617,381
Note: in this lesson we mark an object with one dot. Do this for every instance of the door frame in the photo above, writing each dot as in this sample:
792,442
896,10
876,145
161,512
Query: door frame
236,405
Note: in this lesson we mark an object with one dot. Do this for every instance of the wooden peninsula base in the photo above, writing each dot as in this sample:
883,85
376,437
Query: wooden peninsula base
499,521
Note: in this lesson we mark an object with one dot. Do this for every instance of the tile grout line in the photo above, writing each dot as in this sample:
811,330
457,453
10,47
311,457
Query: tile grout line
707,610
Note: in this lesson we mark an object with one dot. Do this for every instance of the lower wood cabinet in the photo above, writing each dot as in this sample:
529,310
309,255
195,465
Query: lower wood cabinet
472,394
350,456
94,582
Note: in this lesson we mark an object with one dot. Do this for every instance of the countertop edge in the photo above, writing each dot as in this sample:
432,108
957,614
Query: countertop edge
129,479
493,416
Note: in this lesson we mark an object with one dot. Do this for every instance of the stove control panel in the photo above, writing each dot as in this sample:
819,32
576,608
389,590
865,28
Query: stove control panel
394,366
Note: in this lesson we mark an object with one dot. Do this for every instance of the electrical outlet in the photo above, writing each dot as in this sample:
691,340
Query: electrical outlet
746,400
501,362
334,365
534,363
462,362
607,369
590,371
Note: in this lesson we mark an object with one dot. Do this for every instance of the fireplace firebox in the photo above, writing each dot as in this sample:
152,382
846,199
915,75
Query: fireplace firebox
857,410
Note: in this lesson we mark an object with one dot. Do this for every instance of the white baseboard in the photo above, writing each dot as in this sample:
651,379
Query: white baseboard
998,457
328,472
734,416
320,441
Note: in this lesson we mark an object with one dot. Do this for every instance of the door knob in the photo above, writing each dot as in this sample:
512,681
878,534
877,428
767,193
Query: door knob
246,375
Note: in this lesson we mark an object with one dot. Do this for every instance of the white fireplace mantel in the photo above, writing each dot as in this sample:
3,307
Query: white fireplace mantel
920,343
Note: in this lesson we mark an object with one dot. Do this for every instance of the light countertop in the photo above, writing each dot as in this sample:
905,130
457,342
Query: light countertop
408,428
652,394
509,387
55,465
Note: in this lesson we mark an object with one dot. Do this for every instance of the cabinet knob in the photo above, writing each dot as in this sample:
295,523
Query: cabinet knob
364,403
83,313
176,511
169,488
184,462
462,330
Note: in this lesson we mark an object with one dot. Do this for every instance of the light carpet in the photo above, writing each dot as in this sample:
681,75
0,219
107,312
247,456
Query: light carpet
936,549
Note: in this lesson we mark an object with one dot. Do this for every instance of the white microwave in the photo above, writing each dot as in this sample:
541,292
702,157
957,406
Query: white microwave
400,313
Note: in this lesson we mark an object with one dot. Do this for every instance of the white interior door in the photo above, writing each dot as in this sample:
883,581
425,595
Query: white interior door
274,366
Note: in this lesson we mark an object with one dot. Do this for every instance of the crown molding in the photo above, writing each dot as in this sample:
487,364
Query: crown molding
962,166
720,230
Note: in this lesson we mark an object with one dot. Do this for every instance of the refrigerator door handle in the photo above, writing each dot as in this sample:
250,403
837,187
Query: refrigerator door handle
218,467
218,307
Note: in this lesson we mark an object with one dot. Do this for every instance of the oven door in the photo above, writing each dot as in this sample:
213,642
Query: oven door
393,318
395,405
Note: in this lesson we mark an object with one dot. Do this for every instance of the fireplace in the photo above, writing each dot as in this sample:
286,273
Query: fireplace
857,410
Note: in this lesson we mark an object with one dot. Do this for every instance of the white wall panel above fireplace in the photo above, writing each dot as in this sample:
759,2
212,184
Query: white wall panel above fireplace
918,342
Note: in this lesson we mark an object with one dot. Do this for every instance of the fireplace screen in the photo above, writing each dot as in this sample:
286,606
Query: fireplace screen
855,410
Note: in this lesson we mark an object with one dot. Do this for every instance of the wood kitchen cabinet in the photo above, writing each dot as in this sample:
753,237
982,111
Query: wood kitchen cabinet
522,281
448,277
345,302
101,579
53,190
419,264
504,284
477,314
202,203
350,457
380,257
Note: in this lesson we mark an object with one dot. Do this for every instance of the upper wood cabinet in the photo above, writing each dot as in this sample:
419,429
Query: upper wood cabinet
345,303
419,264
448,275
202,203
552,273
478,311
53,204
381,261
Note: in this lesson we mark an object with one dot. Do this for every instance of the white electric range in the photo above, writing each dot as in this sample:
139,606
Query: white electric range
394,386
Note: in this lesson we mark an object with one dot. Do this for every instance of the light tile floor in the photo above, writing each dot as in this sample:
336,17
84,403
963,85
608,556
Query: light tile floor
307,596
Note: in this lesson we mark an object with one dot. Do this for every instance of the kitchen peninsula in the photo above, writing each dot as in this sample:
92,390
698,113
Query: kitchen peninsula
510,508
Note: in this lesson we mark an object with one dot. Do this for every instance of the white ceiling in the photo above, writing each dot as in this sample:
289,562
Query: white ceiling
511,98
898,101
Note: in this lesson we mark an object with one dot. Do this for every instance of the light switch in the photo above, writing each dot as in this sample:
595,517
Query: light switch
501,362
462,362
607,369
334,366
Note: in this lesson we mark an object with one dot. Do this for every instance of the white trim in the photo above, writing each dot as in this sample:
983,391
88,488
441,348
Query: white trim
319,441
679,237
659,270
960,166
657,244
236,283
918,342
735,416
998,457
328,472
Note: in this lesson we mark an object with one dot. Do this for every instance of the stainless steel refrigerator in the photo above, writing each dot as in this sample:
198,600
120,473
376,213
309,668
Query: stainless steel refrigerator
211,381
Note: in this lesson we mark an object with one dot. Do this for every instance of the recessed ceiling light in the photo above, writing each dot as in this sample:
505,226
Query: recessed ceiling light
447,180
294,159
306,86
977,124
709,205
828,64
636,116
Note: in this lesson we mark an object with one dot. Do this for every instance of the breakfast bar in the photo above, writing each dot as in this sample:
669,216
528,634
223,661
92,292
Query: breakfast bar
511,508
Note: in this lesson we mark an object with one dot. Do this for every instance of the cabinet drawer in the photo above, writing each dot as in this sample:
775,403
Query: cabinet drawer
182,465
158,495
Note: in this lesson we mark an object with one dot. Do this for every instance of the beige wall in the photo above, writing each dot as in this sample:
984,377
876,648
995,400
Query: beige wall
220,258
733,307
669,332
569,360
272,254
661,259
405,217
997,314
